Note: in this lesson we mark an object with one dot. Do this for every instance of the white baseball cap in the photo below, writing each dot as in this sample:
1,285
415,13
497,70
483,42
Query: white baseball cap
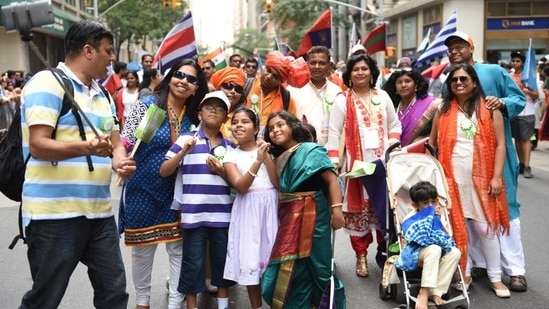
219,95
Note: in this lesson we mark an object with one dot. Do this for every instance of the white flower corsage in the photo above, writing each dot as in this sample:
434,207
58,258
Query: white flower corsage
254,100
376,100
468,126
219,153
107,125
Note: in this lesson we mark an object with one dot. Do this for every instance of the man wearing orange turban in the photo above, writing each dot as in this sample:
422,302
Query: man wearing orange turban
231,81
267,94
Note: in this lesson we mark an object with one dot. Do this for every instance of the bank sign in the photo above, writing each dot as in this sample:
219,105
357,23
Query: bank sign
531,23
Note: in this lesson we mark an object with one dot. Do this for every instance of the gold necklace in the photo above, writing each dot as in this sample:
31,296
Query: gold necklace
175,121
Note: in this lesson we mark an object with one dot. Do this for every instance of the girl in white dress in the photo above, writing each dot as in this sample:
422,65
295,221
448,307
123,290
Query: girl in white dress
254,222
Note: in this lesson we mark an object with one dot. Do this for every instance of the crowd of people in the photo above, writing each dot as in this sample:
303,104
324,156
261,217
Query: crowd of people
240,180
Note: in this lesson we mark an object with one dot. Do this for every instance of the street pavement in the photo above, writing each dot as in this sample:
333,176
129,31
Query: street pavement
361,292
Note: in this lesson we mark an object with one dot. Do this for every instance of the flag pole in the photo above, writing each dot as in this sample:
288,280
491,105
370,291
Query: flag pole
332,30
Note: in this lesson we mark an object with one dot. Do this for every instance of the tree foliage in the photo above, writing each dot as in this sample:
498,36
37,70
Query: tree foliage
295,17
136,21
248,39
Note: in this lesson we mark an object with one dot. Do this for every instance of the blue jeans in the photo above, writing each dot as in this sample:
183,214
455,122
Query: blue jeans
193,268
55,247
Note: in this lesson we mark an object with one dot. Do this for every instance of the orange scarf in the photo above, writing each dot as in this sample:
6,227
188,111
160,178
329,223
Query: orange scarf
269,103
495,210
355,189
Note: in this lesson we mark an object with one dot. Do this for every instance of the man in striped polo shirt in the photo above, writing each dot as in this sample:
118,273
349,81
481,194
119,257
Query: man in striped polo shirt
67,208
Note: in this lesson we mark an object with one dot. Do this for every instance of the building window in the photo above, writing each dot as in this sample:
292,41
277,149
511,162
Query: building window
432,15
540,7
392,26
495,9
499,8
409,32
518,9
71,2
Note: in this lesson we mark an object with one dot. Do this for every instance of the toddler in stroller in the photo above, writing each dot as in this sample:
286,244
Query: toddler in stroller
428,244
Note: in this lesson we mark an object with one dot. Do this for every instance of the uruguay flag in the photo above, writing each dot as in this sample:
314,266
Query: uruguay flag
528,77
437,49
178,44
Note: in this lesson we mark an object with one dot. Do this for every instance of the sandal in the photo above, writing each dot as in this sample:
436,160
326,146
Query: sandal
518,284
361,266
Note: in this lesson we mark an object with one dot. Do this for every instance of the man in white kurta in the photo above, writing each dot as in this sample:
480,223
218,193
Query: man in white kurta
314,101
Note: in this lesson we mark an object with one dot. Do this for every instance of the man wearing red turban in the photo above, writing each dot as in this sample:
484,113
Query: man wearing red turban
268,94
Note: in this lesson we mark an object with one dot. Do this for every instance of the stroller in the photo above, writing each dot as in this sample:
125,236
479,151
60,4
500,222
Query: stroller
403,171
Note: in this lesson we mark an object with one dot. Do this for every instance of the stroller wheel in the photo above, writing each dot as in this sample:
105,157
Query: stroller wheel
384,292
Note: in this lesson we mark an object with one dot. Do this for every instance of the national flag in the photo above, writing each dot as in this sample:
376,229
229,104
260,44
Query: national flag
319,34
259,63
529,69
425,43
178,44
375,40
288,51
352,39
112,83
437,49
275,44
218,58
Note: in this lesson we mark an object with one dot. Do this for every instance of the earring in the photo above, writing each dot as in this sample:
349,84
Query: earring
350,84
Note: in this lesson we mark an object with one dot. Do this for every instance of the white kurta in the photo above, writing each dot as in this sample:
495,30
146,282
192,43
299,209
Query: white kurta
315,104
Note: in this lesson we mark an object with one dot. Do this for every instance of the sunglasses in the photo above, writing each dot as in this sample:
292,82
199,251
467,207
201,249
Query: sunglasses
182,75
211,109
462,79
251,67
230,86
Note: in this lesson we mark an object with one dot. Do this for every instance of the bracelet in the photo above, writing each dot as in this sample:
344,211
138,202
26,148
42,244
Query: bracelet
252,174
337,205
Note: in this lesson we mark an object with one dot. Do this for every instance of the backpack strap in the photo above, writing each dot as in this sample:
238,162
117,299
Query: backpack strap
20,219
68,105
285,98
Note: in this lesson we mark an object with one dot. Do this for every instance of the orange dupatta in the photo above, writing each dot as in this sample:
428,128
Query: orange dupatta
495,210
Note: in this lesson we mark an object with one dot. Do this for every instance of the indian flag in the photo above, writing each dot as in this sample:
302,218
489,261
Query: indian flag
218,58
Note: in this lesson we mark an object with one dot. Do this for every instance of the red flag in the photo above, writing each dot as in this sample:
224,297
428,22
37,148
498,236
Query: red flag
112,83
319,34
375,40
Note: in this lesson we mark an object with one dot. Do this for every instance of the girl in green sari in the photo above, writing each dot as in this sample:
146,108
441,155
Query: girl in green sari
309,207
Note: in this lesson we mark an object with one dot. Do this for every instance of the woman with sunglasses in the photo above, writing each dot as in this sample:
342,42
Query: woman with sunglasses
471,148
415,107
146,217
231,81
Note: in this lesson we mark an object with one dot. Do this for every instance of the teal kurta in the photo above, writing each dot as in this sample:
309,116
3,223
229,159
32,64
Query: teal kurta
312,273
495,81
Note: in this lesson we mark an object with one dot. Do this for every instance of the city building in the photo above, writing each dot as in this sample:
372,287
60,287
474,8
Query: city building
496,26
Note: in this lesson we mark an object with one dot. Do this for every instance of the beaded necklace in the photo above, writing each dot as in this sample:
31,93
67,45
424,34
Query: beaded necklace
175,122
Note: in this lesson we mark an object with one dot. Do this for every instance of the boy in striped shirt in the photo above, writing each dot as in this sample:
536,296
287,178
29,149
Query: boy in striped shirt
203,197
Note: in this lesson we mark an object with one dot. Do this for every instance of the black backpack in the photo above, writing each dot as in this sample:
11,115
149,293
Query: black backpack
12,165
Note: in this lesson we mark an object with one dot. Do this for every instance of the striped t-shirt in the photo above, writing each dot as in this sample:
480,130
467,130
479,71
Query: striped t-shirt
67,189
206,198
